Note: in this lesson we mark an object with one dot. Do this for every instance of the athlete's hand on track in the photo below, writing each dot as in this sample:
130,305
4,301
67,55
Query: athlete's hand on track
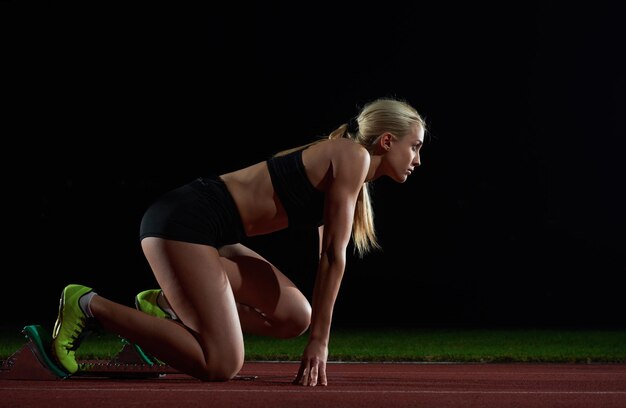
313,365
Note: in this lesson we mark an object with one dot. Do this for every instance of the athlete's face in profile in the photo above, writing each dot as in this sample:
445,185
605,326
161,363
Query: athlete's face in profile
403,154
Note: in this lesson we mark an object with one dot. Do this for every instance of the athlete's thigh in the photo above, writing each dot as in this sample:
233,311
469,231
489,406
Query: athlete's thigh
258,283
197,287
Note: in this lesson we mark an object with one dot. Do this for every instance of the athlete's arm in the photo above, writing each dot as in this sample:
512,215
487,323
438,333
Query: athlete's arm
341,195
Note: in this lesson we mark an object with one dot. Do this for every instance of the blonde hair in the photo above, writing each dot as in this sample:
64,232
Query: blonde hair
375,118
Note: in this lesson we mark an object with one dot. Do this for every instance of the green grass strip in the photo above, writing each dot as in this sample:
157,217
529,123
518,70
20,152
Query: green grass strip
449,345
410,345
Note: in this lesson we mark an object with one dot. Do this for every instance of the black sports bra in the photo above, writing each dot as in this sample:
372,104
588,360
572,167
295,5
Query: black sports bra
302,201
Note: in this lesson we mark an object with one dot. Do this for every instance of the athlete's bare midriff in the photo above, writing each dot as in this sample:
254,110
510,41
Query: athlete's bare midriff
260,210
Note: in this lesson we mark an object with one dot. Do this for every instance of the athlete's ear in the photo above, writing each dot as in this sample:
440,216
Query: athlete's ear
385,140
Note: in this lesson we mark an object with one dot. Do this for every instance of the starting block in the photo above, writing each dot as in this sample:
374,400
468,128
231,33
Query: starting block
34,362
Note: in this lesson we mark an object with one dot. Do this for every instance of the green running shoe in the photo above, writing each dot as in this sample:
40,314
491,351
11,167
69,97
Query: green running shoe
70,327
146,301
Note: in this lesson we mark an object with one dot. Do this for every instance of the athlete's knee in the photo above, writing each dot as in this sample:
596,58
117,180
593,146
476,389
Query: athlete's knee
225,371
224,368
297,322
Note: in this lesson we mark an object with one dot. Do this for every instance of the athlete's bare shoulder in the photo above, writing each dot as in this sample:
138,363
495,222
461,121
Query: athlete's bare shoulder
336,158
336,150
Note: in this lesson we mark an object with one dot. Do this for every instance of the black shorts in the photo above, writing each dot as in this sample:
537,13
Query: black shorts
201,212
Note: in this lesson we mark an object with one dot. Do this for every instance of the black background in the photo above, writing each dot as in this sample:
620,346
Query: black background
516,217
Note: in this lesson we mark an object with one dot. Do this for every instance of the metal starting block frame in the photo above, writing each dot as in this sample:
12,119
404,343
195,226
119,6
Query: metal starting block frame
33,362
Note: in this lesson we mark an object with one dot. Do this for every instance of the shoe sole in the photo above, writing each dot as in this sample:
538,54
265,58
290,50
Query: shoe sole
59,321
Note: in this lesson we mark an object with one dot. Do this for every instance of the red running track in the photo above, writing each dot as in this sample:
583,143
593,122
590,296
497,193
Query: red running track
366,385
